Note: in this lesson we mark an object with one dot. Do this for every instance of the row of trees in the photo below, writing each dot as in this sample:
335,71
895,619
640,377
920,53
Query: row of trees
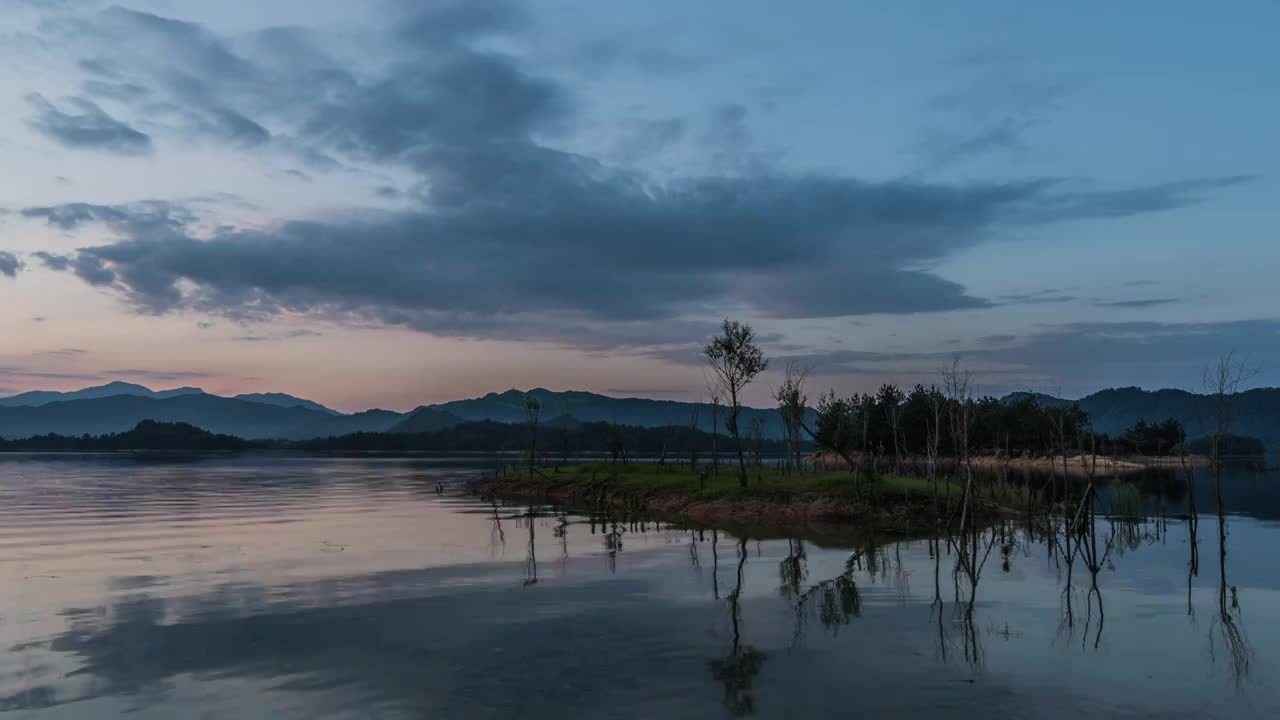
926,421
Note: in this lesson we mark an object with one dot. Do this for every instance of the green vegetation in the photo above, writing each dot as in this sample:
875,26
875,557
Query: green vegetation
767,484
775,498
763,483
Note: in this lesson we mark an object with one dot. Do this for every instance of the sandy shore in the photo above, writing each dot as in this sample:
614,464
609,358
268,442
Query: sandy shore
1077,464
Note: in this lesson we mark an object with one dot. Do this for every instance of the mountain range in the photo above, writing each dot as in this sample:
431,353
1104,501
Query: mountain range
1254,413
118,407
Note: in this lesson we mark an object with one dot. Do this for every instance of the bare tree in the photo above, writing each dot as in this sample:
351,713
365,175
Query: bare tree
757,439
955,384
616,442
532,414
736,360
792,400
563,434
892,398
694,412
1223,381
933,433
715,393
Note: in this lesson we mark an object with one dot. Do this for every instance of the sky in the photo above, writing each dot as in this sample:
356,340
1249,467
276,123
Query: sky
386,204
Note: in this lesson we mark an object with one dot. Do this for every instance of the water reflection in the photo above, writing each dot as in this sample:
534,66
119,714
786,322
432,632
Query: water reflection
795,624
737,670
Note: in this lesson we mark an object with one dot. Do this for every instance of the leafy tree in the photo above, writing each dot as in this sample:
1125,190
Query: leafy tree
736,360
836,426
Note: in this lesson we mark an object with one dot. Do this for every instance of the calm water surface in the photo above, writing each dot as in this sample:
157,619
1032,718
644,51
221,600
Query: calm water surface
267,587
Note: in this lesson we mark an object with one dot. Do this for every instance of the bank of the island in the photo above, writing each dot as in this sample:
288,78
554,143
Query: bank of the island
773,500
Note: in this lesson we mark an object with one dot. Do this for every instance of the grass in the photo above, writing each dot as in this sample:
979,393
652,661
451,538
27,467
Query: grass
763,483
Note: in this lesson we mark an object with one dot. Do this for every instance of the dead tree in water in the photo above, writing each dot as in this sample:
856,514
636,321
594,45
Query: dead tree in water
1223,382
956,384
531,555
1193,519
532,413
933,432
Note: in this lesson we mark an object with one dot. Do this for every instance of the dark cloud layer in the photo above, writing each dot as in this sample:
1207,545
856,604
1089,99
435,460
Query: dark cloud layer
508,233
1074,358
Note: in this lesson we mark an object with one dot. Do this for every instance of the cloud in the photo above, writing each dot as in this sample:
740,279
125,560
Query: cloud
52,261
86,267
1102,204
645,391
994,105
86,125
143,216
1074,358
124,92
1040,297
997,339
9,264
941,148
1150,354
513,235
288,335
646,138
1149,302
63,353
145,375
45,375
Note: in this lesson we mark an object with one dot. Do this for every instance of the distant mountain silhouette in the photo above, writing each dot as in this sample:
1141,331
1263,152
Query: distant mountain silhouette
367,421
146,435
490,436
118,407
426,419
1254,413
590,407
283,400
43,397
243,418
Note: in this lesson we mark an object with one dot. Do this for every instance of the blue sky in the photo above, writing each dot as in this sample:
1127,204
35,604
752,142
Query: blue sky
393,203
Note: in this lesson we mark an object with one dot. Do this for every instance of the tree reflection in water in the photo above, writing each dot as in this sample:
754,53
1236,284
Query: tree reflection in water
1227,626
1080,534
736,671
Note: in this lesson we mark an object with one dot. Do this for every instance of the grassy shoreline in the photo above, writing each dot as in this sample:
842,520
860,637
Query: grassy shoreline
825,501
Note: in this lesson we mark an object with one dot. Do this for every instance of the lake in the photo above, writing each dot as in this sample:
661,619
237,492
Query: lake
294,587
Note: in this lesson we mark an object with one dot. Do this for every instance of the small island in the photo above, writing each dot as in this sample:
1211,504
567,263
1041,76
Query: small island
774,499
